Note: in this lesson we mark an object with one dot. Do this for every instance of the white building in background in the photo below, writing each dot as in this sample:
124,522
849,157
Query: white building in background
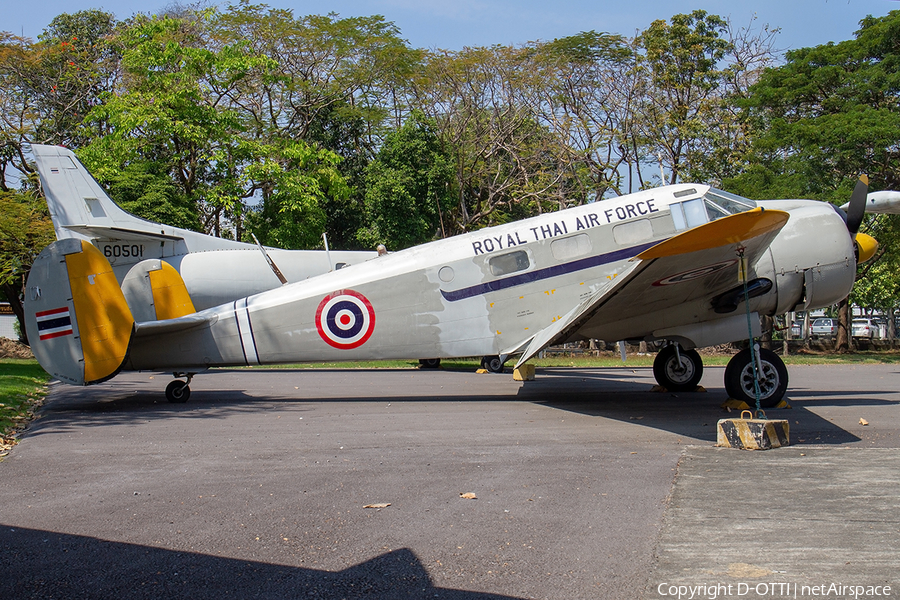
7,322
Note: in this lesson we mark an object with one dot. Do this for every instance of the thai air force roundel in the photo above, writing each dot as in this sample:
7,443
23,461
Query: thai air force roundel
345,319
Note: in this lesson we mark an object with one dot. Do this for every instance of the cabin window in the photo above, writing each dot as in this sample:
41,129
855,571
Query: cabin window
509,263
635,232
571,247
688,214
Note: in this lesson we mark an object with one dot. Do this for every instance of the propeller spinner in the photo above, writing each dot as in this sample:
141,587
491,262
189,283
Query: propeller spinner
866,245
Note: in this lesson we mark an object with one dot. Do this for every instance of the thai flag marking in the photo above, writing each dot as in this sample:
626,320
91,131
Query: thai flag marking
54,323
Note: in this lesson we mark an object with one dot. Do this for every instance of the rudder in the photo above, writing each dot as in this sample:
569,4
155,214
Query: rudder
76,316
155,291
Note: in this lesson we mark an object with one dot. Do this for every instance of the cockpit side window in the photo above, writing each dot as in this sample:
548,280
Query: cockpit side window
689,213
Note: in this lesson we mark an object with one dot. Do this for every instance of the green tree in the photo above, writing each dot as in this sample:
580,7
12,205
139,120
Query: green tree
25,229
409,187
683,64
828,114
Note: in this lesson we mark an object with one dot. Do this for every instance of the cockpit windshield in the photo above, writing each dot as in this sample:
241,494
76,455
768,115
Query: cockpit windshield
714,204
724,203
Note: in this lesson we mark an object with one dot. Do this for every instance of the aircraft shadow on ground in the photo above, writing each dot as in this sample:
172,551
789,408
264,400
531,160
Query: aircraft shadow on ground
618,394
695,414
43,564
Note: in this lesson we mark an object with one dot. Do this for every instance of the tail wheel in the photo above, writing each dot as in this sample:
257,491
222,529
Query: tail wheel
772,376
430,363
492,364
178,392
678,370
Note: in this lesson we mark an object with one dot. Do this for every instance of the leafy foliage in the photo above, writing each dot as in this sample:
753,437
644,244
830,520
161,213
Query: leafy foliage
409,187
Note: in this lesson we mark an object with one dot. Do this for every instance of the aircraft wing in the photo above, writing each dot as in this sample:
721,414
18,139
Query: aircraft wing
697,264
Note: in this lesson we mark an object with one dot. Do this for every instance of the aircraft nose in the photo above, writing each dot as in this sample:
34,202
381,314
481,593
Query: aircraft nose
866,247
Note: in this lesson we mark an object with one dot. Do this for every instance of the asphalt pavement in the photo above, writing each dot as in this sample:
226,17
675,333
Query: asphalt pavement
358,484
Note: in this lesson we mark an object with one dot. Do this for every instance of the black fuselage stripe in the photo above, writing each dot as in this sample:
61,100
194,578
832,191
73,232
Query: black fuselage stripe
547,272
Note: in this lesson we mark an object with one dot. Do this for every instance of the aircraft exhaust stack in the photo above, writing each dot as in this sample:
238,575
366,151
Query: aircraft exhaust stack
77,319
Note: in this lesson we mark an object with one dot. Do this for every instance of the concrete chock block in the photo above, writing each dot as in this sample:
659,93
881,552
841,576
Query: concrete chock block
752,434
524,373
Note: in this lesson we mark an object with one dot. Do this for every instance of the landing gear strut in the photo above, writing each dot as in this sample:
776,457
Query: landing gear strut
771,374
677,369
179,391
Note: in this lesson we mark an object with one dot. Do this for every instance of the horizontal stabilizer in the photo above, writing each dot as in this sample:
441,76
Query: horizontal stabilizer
151,328
121,233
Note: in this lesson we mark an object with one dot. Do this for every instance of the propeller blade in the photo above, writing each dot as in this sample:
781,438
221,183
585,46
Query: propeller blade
857,208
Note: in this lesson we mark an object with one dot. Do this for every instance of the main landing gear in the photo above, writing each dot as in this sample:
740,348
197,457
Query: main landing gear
771,374
677,369
680,370
179,391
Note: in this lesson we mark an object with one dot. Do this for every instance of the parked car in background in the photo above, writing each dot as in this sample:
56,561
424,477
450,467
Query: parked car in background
865,328
823,327
796,330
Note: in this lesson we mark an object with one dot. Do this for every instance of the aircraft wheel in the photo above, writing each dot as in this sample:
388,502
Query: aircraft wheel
675,376
773,380
492,364
430,363
178,392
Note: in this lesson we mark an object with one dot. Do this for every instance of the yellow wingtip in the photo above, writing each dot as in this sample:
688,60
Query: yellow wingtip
732,229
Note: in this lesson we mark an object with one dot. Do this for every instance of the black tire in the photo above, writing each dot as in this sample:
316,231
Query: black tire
178,392
430,363
492,364
739,378
677,377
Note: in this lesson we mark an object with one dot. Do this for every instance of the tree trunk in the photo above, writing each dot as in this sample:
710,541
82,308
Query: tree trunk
842,342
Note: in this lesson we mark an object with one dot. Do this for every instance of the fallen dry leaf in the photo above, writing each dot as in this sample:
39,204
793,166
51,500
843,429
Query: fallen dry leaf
379,505
863,421
468,496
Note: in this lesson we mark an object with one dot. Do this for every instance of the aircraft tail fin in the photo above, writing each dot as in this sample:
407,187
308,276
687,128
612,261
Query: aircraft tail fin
155,291
76,316
79,206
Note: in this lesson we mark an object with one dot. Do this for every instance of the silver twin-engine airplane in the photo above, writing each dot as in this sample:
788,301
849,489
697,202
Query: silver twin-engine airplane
661,264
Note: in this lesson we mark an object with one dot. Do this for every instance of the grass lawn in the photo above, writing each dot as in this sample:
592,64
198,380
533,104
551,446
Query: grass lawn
22,389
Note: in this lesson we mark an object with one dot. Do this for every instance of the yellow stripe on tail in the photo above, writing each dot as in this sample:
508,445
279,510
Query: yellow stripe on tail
170,296
104,320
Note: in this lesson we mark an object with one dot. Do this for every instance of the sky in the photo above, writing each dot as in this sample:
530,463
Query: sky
454,24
